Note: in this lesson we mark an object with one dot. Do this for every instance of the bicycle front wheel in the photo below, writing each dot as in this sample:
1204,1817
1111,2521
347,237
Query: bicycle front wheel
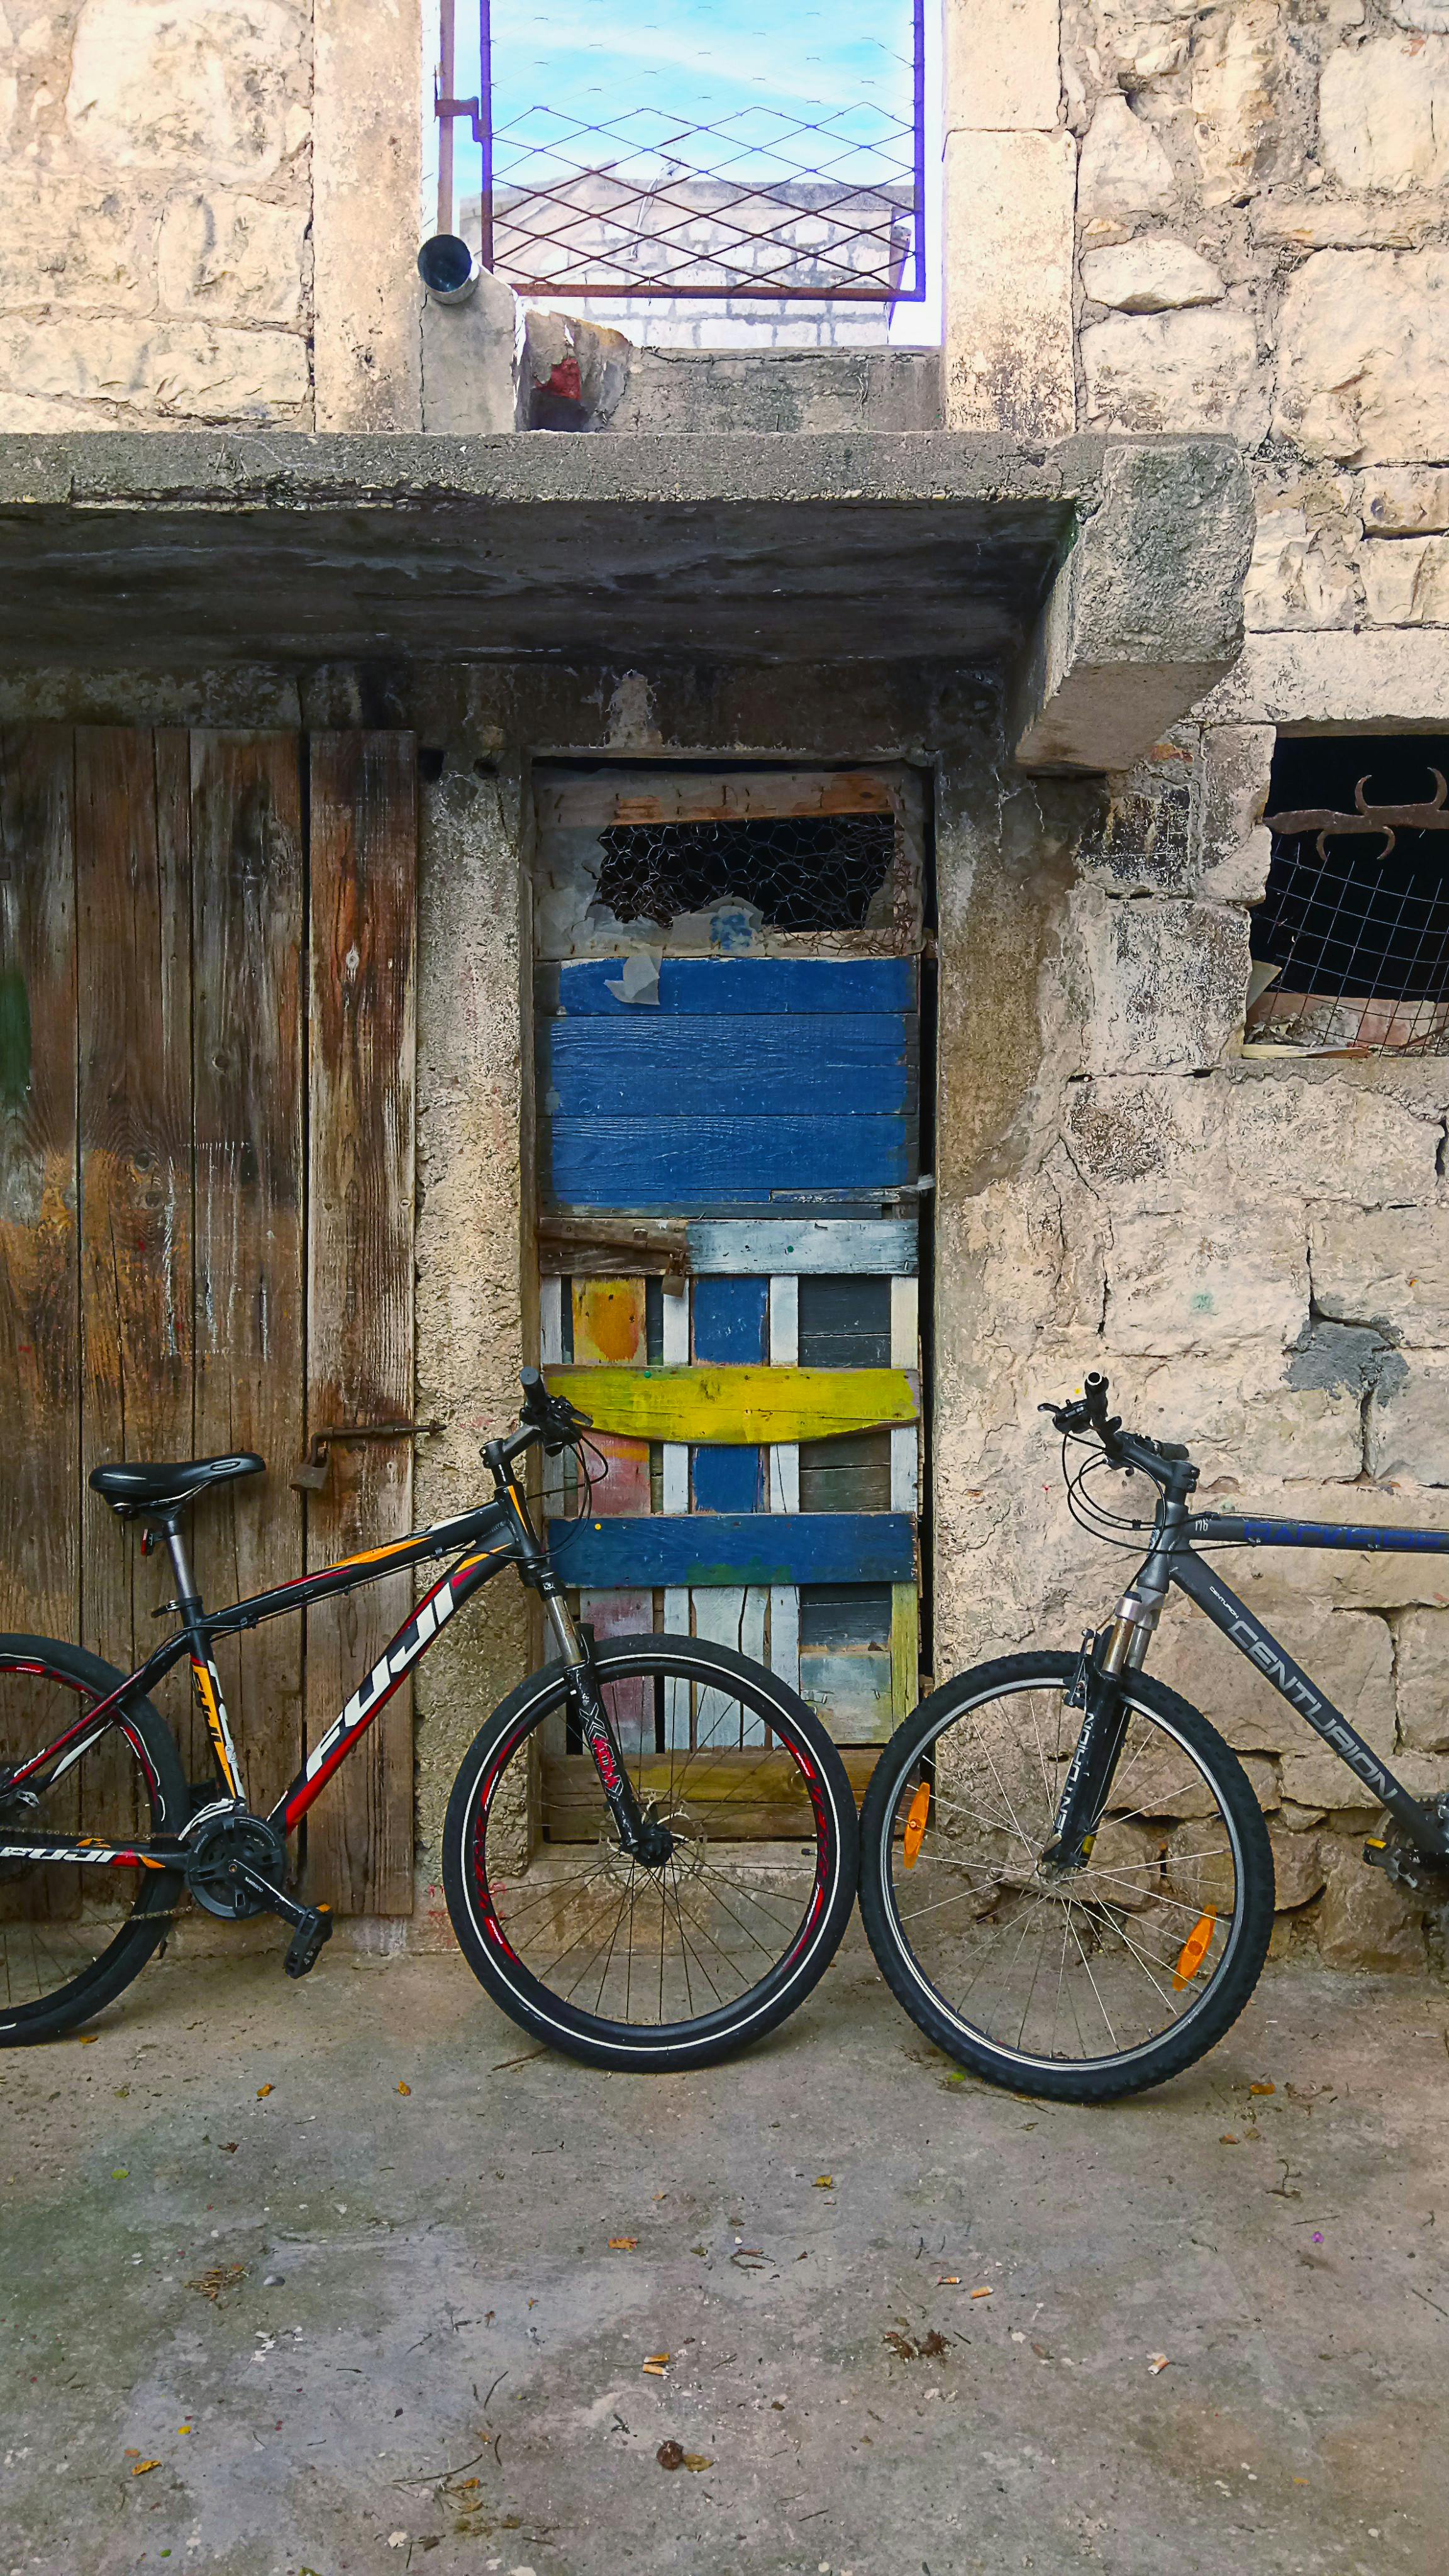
1088,1983
670,1966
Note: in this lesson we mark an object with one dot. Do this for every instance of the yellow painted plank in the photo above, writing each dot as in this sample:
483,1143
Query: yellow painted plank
736,1406
905,1649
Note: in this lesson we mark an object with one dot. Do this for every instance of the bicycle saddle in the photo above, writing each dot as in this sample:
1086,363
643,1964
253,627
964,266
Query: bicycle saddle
131,1487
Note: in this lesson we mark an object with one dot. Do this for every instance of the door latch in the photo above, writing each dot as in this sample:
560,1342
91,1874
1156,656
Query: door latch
311,1476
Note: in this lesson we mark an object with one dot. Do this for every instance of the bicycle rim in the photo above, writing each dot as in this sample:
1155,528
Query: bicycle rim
1096,1968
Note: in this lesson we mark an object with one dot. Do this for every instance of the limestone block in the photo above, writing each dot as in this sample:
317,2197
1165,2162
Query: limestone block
1338,679
1298,1869
1235,61
1364,356
1232,849
182,369
1240,1420
1170,983
1316,223
1002,64
1348,1652
366,178
1364,1920
1408,1422
231,256
1387,1266
1405,501
1431,15
1009,362
1422,1677
1296,578
216,86
1204,1282
470,365
89,245
1306,1139
1406,581
1162,371
1125,170
1424,1775
1153,274
1144,844
1383,113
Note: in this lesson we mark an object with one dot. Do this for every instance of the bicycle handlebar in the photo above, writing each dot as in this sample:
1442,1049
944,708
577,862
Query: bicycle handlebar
1085,1416
558,1423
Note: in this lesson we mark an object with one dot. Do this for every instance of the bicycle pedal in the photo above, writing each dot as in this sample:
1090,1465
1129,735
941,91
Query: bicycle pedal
310,1939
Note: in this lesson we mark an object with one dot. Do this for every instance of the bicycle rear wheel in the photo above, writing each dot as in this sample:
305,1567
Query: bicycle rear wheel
625,1965
1097,1981
73,1937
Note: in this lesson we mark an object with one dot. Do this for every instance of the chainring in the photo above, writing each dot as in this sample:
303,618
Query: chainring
219,1840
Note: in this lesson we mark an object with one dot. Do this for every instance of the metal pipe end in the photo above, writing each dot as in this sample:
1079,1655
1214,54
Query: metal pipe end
448,268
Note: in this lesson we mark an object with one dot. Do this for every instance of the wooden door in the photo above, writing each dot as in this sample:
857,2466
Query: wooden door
189,1262
728,1084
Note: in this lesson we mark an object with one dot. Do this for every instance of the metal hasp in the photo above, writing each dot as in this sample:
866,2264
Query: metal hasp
311,1476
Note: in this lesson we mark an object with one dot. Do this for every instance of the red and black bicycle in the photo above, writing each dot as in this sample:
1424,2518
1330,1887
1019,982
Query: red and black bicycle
595,1873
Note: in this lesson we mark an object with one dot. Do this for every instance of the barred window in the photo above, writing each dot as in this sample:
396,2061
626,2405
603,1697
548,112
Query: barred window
801,872
1351,943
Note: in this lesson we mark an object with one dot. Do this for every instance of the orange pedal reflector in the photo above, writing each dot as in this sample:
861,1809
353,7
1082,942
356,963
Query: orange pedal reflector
919,1810
1194,1950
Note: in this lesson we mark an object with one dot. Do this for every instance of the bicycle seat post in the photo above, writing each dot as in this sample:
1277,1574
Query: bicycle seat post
188,1599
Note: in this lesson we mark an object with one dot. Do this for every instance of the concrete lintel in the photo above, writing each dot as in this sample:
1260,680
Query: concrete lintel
1145,614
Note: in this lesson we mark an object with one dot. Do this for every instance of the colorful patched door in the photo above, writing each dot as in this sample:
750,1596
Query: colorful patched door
728,1090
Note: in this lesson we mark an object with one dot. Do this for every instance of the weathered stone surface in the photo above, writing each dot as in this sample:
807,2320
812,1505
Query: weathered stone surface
188,370
1364,356
1002,70
1153,274
1408,1423
1383,113
215,86
1174,371
1422,1679
366,181
1299,576
1145,841
1008,283
1298,1870
1336,679
1124,169
1170,983
1349,1652
91,245
470,365
1346,223
1365,1921
1405,501
1406,581
1432,15
1235,74
1387,1266
1190,1283
232,256
1319,1139
1232,848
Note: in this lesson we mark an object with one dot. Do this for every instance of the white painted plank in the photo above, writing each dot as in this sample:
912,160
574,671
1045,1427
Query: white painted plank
905,1476
674,1476
785,1633
731,1618
674,1314
772,1245
784,1455
557,1472
678,1697
905,1323
674,1349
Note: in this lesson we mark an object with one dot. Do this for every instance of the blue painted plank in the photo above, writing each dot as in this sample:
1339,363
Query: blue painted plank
744,1548
683,1164
730,1323
857,1066
713,984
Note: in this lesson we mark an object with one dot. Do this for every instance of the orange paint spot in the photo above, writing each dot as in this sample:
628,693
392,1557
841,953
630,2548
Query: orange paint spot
915,1833
1194,1950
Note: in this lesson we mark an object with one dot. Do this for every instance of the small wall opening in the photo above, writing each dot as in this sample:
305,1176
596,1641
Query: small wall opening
1351,943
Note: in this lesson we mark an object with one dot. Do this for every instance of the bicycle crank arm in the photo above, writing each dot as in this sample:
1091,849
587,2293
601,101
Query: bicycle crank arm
311,1924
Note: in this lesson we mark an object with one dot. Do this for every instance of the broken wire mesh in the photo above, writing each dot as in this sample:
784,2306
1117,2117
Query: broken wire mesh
801,872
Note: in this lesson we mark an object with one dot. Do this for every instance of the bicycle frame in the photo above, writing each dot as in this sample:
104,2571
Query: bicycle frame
497,1534
1171,1560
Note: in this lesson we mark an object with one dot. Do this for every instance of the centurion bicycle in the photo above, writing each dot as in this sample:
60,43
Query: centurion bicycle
621,1919
1065,1875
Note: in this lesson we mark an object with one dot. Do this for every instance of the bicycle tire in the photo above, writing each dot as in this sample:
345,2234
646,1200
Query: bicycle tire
1207,2014
488,1897
161,1779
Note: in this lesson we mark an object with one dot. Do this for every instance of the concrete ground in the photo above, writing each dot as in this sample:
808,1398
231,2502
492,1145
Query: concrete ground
321,2279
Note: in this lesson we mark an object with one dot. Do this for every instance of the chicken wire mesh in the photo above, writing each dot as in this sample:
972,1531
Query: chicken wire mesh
800,872
1351,943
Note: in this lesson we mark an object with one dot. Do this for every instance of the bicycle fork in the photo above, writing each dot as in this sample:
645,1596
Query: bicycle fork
642,1838
1097,1690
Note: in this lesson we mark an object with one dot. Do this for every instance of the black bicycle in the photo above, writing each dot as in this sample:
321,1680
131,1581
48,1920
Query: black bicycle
1065,1875
595,1873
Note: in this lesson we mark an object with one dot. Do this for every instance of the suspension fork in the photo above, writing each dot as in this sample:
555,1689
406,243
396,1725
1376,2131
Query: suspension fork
1097,1690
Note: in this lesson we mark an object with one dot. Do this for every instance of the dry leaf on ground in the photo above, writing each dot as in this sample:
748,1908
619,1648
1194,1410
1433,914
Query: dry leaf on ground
623,2244
670,2455
222,2276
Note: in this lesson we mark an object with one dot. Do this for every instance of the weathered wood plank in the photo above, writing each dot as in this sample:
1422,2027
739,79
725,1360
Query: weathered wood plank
249,1045
39,1256
711,1548
133,926
813,1243
846,1323
730,1405
672,1165
730,1327
710,985
739,1797
363,932
734,1065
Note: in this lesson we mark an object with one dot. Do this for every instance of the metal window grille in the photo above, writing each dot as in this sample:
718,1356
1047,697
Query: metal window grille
818,201
1351,944
799,872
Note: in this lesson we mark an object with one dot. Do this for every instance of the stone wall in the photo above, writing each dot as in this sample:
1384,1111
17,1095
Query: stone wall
180,236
